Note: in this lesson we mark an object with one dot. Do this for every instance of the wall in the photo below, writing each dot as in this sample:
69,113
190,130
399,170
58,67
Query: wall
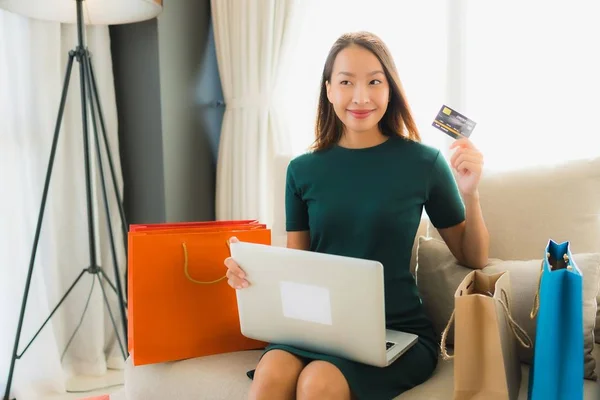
167,87
135,67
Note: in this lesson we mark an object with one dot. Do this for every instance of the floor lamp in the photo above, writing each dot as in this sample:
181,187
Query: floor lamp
82,12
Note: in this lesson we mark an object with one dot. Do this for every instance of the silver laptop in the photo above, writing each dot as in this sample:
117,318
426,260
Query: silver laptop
323,303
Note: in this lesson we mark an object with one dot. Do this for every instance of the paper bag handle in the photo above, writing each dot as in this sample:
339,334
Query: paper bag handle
519,332
187,273
536,298
443,348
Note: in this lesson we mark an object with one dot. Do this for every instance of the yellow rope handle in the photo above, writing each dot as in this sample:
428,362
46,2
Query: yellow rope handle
443,348
519,332
536,298
187,273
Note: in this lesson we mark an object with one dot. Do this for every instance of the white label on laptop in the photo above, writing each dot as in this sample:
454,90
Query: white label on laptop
306,302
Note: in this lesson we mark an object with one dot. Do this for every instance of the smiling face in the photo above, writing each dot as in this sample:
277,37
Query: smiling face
361,97
358,90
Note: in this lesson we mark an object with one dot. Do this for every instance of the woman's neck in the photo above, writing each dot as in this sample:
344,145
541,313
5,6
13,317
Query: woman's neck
360,140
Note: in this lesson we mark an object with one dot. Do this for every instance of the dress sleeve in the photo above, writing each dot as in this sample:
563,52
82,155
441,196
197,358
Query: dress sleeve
444,206
296,211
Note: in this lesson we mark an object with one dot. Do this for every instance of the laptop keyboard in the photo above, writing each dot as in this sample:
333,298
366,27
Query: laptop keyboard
389,345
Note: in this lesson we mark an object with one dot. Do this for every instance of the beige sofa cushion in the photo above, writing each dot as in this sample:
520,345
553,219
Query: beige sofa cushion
438,276
216,377
224,377
118,395
525,208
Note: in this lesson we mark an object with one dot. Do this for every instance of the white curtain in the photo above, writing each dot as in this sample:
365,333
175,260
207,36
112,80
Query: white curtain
253,41
33,58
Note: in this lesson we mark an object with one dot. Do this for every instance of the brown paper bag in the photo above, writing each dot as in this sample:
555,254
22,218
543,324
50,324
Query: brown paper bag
486,364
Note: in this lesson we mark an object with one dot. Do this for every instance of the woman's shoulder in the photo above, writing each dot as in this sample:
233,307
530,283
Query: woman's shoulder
309,159
303,158
309,166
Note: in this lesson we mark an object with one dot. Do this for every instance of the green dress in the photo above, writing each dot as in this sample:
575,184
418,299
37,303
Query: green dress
367,203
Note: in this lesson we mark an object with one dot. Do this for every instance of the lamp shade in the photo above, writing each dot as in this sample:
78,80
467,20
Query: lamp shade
95,12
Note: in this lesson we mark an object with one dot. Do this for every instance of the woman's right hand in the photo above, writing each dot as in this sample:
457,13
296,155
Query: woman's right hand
235,275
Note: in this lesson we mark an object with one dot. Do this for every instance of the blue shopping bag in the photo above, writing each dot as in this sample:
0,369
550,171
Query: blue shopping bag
557,371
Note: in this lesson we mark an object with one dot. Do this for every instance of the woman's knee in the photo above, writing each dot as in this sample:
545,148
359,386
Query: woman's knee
276,375
322,380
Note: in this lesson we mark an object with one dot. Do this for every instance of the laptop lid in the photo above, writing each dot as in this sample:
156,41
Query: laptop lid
319,302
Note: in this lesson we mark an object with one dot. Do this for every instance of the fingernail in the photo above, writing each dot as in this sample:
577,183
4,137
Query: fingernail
245,284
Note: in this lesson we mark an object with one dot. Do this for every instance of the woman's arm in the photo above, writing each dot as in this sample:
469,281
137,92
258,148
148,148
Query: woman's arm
469,241
299,240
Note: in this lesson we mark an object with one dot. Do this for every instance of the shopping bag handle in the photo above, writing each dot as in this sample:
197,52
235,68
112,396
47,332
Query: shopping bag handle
187,273
519,332
536,298
443,348
516,329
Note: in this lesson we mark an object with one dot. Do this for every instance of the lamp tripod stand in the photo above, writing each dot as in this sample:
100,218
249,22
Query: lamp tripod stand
88,92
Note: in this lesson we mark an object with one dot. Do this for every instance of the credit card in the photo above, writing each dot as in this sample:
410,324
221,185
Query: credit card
453,123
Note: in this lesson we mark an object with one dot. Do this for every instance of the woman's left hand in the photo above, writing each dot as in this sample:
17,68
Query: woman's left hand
467,161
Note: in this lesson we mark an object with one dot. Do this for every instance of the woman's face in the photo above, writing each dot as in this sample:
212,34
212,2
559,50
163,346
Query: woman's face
358,89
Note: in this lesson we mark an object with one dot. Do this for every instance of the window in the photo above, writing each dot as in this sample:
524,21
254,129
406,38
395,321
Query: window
415,33
532,80
526,72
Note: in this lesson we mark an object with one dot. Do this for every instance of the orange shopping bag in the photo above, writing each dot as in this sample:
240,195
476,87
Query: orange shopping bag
179,303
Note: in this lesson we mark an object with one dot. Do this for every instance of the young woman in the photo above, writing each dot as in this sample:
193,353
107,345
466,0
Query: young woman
360,192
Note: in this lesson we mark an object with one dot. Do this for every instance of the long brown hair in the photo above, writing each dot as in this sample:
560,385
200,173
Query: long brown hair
397,119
